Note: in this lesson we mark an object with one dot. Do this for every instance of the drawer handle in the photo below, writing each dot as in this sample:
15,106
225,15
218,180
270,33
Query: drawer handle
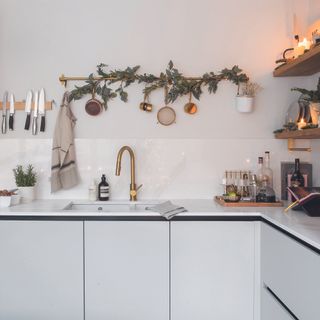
281,302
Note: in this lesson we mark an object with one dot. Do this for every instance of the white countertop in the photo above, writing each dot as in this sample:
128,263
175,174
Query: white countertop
295,222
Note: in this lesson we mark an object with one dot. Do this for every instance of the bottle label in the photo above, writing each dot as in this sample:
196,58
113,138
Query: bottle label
104,192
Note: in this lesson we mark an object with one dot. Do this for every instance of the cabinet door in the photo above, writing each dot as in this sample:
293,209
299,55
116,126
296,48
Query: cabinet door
291,271
127,270
212,270
271,309
41,270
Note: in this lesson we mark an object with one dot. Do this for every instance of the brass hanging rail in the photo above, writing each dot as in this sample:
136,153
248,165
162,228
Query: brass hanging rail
63,79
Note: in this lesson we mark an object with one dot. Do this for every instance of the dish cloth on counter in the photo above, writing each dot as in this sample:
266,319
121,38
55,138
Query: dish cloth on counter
64,173
167,209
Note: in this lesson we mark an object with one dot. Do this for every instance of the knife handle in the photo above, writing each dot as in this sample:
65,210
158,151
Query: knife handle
4,125
11,122
43,124
27,124
34,126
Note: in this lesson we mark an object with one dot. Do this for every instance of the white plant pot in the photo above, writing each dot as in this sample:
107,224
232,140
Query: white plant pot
27,194
244,104
315,112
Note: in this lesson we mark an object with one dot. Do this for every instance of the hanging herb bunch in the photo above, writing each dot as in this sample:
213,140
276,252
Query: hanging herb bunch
109,84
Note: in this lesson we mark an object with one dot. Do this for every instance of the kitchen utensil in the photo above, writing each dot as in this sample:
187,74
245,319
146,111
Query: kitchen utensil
146,105
35,114
93,106
166,116
27,110
190,107
11,117
4,113
42,104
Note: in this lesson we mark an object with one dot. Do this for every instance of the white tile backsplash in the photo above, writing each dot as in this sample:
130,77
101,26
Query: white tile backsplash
167,168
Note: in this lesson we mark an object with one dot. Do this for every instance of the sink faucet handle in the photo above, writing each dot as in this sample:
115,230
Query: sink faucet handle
139,187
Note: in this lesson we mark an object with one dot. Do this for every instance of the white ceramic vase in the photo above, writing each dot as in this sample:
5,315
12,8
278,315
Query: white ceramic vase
27,194
315,112
244,104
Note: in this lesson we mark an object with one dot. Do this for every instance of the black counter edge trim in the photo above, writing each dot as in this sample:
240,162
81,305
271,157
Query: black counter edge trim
287,233
281,302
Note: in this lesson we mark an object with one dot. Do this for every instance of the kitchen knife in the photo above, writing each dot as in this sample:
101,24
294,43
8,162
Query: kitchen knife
42,105
4,113
35,114
11,117
27,109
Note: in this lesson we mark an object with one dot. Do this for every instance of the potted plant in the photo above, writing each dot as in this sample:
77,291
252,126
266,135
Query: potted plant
313,97
25,180
245,97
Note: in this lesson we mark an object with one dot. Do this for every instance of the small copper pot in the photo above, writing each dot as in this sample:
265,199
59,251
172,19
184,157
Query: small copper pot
93,106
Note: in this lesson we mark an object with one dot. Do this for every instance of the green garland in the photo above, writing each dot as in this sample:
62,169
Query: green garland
177,85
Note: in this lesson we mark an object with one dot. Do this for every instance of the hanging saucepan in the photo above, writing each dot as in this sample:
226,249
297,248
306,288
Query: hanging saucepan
190,107
93,106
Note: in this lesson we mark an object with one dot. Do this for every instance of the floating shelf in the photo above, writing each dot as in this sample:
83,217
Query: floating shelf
20,105
299,134
305,65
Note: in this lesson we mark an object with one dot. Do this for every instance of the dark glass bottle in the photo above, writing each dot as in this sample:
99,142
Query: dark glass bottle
297,179
103,189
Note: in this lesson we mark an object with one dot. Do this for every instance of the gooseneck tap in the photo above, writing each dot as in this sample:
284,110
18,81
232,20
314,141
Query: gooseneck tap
133,188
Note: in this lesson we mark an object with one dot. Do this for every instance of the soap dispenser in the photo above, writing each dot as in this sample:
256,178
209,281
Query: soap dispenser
103,189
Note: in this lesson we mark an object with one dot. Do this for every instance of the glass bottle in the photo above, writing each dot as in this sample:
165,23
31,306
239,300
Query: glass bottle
265,193
260,172
253,187
103,189
267,170
297,179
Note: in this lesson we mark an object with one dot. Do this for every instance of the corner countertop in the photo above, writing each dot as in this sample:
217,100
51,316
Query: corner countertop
296,223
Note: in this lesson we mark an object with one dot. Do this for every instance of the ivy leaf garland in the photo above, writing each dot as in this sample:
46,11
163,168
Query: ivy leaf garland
177,85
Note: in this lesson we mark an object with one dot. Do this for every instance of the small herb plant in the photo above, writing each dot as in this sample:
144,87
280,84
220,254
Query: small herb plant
310,95
249,89
25,177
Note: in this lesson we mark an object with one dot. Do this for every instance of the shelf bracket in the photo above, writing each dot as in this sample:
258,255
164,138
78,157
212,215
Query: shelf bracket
292,147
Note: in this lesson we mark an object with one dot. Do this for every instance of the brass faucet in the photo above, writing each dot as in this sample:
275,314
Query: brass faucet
133,188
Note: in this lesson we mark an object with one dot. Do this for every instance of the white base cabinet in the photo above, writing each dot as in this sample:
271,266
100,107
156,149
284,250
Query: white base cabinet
291,271
126,270
212,270
41,270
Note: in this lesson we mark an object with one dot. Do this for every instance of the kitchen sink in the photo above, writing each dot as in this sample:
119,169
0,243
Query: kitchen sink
109,207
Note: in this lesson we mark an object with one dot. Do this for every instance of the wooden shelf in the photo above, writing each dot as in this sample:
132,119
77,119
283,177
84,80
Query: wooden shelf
19,105
305,65
299,134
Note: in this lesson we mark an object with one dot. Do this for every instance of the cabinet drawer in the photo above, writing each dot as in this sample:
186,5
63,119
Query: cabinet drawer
291,271
272,309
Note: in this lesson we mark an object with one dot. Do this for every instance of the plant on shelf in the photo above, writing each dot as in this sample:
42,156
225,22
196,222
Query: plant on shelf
313,98
26,180
246,93
109,84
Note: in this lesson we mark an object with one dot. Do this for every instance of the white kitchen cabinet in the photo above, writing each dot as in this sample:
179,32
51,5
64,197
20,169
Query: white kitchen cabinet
127,270
41,270
291,271
212,270
271,309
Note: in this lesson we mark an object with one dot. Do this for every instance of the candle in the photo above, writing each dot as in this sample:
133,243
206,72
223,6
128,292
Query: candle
301,124
301,47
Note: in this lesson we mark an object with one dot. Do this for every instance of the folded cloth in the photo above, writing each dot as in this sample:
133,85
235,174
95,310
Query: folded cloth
64,173
167,209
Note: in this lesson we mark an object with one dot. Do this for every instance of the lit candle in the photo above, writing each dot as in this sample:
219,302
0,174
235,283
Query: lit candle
301,124
301,47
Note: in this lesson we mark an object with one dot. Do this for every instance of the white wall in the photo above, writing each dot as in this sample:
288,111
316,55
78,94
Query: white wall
42,39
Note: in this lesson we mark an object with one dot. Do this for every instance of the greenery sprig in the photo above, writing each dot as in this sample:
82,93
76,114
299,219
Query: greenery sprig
310,95
25,178
172,79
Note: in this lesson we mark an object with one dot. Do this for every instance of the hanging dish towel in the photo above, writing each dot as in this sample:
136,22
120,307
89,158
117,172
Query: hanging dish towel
64,173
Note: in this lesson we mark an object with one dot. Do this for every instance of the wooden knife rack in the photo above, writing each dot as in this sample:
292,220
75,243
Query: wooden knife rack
20,105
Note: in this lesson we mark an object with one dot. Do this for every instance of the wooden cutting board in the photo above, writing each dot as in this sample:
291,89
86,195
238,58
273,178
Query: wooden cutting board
239,204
